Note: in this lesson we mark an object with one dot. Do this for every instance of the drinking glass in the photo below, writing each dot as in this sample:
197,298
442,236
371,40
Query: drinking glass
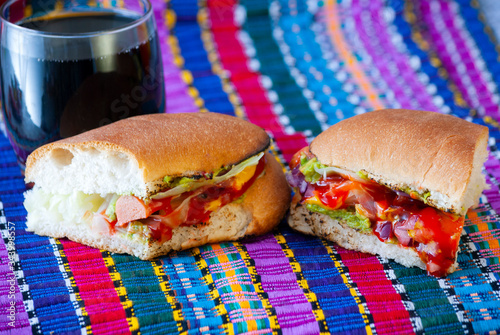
71,66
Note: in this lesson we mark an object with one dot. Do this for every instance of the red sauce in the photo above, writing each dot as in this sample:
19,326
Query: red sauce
224,192
167,215
396,218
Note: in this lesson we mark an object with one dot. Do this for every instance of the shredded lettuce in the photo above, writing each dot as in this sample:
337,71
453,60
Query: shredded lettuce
185,184
135,231
352,218
419,195
314,171
309,168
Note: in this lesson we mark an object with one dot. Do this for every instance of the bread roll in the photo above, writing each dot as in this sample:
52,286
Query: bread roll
432,162
74,176
416,150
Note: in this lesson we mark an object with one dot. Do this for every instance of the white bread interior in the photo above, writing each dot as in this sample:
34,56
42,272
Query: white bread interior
322,225
411,150
132,156
227,224
90,169
262,207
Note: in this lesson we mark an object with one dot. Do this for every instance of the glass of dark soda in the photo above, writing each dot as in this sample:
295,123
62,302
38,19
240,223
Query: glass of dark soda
68,66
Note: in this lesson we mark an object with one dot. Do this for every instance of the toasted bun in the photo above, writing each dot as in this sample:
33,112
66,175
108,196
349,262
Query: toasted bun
405,149
133,155
265,203
322,225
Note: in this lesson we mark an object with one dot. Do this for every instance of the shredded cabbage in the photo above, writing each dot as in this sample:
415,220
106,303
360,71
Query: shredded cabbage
194,184
313,170
63,207
324,171
111,208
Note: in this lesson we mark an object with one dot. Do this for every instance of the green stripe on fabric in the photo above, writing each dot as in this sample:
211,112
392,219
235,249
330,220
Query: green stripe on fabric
151,308
271,64
431,303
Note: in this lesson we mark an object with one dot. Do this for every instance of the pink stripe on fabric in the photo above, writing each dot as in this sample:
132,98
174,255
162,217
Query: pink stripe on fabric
177,99
393,65
96,289
247,83
279,282
384,303
450,44
13,316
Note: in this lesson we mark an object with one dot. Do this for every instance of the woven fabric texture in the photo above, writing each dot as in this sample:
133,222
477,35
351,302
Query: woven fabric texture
294,68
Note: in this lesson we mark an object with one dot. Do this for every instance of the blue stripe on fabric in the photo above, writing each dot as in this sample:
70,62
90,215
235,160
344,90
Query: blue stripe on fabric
303,43
485,45
259,28
440,83
191,291
188,34
324,280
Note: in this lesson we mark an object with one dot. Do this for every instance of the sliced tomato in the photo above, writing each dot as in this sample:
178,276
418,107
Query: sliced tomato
159,230
381,207
296,157
161,204
333,193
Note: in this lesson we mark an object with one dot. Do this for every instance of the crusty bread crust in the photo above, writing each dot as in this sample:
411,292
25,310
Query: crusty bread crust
402,148
264,205
164,144
268,199
322,225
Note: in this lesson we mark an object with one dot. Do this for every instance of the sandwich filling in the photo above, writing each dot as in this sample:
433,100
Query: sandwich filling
186,201
393,216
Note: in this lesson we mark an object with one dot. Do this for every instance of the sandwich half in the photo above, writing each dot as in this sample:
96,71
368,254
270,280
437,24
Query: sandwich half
395,183
151,184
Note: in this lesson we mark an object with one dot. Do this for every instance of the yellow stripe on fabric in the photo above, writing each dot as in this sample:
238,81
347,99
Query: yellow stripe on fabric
28,11
133,322
214,293
335,32
354,292
235,283
310,296
178,60
213,58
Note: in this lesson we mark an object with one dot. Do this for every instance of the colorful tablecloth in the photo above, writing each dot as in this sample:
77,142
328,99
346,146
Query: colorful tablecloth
294,68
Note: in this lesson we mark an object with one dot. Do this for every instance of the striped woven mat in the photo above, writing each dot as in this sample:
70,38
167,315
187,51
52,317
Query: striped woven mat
294,68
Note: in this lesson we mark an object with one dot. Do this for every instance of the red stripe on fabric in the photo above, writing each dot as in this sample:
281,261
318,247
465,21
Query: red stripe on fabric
384,303
247,82
96,289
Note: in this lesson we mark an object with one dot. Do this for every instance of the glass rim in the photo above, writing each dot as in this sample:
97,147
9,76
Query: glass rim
143,17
